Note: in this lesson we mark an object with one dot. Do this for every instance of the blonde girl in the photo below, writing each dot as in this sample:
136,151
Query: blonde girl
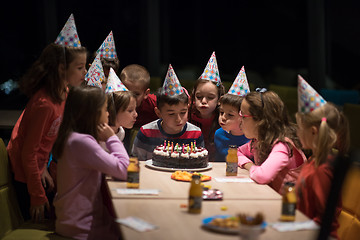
325,131
273,154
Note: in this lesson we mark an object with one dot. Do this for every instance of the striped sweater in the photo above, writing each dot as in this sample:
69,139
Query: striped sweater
152,135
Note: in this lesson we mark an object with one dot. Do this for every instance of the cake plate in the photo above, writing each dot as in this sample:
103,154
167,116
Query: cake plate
150,164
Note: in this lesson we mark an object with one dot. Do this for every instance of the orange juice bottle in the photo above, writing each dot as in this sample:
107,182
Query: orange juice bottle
288,203
232,161
195,195
133,174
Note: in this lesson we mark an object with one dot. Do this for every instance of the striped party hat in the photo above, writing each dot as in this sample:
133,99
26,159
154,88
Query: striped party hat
240,86
68,36
308,98
211,71
171,84
107,48
95,74
114,83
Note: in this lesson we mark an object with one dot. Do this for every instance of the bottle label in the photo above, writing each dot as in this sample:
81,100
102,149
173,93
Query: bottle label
231,167
195,202
133,177
288,209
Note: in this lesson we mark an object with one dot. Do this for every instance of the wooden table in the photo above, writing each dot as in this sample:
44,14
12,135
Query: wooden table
174,222
171,189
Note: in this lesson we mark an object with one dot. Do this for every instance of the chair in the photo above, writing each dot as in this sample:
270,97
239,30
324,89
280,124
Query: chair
349,218
12,225
352,112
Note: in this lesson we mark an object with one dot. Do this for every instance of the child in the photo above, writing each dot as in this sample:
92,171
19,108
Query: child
172,109
79,206
61,64
273,155
204,104
230,132
137,79
321,128
121,105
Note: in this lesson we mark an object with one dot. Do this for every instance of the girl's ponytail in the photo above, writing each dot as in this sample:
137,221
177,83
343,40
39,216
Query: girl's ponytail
326,140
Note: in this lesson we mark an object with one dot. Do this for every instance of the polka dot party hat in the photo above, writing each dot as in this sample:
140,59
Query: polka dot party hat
308,98
68,36
171,84
107,48
95,74
240,86
211,71
114,83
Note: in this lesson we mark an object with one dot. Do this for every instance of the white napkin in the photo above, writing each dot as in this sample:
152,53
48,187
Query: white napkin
137,191
138,224
294,226
233,179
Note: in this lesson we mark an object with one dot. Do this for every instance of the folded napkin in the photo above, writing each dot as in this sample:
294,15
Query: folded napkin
233,179
137,191
294,226
137,224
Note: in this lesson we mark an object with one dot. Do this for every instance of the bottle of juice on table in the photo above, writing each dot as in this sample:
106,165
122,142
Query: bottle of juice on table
288,203
195,195
133,173
232,161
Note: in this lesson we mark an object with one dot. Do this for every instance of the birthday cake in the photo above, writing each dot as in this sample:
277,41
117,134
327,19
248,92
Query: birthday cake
175,156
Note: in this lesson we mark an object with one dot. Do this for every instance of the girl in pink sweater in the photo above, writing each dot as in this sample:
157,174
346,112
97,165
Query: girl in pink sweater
79,204
273,155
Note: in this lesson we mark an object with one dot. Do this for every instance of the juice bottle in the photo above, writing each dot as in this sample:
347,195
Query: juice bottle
288,202
133,174
195,194
232,161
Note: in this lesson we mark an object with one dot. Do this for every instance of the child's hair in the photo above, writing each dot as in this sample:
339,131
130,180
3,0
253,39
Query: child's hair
118,102
333,130
162,99
232,100
272,120
82,114
136,73
221,91
108,62
45,71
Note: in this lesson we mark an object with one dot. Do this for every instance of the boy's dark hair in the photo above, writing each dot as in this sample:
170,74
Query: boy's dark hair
108,62
136,73
232,100
162,99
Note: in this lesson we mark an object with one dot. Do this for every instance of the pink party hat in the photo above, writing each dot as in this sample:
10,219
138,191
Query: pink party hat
211,71
114,83
171,84
95,74
107,48
68,35
308,98
240,85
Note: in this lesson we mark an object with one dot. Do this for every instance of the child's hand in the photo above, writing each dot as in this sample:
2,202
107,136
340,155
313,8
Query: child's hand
46,178
104,131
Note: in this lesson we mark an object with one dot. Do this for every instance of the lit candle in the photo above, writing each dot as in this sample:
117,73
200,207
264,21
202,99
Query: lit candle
183,149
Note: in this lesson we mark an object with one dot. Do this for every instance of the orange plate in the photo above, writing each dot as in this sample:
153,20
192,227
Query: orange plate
186,176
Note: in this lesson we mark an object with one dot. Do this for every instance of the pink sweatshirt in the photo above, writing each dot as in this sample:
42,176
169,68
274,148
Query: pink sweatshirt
277,169
80,211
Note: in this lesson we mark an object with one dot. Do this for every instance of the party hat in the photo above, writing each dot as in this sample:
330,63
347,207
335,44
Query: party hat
68,35
114,83
107,48
240,86
171,84
95,74
308,98
211,71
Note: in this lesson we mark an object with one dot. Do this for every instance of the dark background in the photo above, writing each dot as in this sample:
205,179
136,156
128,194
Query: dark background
274,40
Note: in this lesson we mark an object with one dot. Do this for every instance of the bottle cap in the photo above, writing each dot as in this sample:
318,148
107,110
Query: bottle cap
232,146
290,184
194,176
